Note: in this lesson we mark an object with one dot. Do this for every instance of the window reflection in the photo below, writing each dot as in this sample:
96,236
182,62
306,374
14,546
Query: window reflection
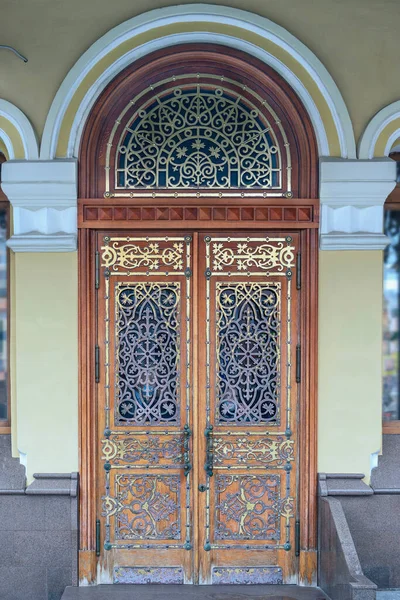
391,312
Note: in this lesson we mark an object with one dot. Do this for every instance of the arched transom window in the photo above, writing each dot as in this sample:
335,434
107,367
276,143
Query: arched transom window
206,134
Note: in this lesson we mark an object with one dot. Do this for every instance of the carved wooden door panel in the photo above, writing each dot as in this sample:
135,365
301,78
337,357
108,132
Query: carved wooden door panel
144,418
248,395
196,418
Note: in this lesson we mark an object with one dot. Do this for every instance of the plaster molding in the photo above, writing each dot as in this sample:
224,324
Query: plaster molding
155,19
202,37
44,199
8,144
16,117
42,243
368,140
352,195
355,241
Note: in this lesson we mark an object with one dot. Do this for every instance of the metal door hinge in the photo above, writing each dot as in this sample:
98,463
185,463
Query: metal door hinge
297,538
298,363
98,537
97,270
298,271
97,363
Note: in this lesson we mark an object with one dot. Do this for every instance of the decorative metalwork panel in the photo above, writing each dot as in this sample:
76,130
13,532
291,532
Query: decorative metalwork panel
122,256
147,353
144,575
247,575
130,449
248,393
145,507
238,451
247,507
144,360
248,332
271,256
198,136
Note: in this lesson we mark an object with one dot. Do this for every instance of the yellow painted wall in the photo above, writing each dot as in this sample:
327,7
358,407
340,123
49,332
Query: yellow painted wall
357,41
46,370
350,360
350,323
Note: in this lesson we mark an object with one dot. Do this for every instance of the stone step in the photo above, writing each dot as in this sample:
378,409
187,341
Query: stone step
193,592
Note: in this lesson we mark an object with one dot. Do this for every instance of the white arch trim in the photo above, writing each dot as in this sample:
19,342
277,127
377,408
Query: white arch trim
198,13
24,128
382,119
8,144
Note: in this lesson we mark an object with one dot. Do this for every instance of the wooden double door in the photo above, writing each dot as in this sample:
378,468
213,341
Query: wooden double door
197,372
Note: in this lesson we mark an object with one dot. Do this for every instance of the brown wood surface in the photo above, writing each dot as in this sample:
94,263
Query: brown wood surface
391,427
87,402
297,216
244,213
307,405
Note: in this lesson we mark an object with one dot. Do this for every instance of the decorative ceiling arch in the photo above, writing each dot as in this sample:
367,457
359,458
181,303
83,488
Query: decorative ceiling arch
16,133
381,133
198,23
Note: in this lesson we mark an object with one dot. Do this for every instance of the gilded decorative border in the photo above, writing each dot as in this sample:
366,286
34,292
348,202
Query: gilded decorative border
110,260
283,262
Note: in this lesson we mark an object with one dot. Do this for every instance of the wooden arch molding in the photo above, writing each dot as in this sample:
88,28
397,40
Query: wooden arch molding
299,212
194,59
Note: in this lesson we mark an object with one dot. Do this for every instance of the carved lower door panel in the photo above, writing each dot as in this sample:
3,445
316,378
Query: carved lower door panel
196,408
248,390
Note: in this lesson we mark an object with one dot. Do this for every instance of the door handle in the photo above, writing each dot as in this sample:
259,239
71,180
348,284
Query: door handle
186,454
208,466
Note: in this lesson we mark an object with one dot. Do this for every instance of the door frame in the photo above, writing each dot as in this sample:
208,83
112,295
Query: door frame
212,214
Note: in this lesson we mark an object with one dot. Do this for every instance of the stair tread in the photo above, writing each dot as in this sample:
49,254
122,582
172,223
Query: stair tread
188,592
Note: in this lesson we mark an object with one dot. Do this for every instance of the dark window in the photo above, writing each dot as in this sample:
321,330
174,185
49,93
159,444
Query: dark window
4,223
391,305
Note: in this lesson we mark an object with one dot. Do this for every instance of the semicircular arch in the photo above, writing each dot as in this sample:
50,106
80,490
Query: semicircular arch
16,133
381,133
199,23
198,117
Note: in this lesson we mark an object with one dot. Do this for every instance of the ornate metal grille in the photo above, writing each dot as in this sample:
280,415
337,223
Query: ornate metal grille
145,507
248,507
204,136
147,353
248,329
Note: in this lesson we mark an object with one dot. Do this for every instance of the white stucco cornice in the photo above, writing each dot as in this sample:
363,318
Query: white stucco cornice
196,13
44,199
352,195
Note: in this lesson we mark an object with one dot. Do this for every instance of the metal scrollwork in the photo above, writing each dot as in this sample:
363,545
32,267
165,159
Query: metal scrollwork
148,353
150,450
196,137
275,452
145,507
264,256
128,256
248,507
248,330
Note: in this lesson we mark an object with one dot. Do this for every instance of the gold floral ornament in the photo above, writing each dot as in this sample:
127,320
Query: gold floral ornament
268,256
129,256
